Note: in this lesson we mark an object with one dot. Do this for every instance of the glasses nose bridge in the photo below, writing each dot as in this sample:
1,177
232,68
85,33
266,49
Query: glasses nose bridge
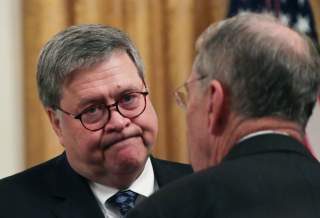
114,105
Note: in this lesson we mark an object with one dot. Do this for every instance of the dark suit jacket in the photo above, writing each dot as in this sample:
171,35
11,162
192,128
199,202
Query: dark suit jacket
54,190
264,176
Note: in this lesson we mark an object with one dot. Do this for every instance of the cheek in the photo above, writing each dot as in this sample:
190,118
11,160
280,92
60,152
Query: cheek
192,125
196,132
148,122
78,140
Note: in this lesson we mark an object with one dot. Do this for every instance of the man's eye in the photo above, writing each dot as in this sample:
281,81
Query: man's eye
128,98
93,110
129,101
93,114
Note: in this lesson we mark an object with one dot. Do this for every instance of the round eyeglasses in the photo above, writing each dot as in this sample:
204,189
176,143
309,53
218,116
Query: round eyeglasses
95,117
182,92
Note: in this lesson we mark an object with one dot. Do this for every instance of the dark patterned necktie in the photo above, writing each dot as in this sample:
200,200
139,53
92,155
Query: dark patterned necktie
124,201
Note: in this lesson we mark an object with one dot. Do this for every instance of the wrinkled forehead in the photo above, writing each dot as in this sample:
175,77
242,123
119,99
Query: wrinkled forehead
111,77
118,61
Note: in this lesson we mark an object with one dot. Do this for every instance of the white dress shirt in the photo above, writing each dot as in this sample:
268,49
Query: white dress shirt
261,132
144,185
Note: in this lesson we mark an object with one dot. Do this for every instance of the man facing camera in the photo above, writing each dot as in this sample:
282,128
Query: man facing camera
248,99
91,82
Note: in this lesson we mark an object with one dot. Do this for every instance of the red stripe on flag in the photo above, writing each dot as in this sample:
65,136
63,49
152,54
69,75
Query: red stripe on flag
277,7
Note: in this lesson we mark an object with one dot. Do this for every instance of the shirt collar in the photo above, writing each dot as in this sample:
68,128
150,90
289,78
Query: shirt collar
144,185
262,132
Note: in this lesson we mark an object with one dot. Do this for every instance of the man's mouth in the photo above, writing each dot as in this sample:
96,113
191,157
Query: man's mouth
117,139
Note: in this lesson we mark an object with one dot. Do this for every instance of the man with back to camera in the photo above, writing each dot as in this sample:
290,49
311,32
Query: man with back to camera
248,99
91,83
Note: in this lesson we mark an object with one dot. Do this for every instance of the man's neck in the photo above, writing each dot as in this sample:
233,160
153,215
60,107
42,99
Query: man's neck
239,128
271,124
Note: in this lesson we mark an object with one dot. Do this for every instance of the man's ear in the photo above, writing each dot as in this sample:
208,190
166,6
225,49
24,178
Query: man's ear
55,121
217,108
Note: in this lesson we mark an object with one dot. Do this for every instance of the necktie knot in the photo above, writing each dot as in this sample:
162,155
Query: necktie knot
124,201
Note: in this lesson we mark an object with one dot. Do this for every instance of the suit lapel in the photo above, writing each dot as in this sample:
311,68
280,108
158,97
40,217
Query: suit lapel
166,171
73,197
72,193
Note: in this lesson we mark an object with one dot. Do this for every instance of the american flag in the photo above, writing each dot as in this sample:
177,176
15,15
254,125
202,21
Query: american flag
298,15
294,13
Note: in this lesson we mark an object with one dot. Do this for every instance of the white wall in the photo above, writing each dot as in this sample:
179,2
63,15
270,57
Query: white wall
11,99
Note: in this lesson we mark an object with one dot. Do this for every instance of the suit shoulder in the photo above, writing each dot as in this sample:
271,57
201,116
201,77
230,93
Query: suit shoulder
173,165
31,187
174,200
168,171
31,176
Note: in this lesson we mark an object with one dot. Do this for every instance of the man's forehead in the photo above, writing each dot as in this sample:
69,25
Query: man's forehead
104,82
112,87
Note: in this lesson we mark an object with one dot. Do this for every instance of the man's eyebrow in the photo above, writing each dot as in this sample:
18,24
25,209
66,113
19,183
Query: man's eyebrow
101,98
90,100
129,88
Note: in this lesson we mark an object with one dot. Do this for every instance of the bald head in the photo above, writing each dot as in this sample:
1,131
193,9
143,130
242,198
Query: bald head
267,68
268,27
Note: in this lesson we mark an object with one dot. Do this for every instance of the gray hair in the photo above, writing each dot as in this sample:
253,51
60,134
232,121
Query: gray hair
266,72
75,48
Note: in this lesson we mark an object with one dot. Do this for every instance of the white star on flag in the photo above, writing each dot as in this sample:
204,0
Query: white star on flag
285,18
302,24
301,2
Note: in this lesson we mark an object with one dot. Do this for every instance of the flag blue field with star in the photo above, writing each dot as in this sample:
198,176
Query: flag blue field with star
294,13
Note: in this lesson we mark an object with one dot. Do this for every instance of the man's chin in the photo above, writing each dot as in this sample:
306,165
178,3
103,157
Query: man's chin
130,165
127,157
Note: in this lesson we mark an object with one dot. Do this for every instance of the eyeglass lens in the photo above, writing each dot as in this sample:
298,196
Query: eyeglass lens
129,105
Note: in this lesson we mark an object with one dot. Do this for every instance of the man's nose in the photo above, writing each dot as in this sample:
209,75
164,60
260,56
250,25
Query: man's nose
116,122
